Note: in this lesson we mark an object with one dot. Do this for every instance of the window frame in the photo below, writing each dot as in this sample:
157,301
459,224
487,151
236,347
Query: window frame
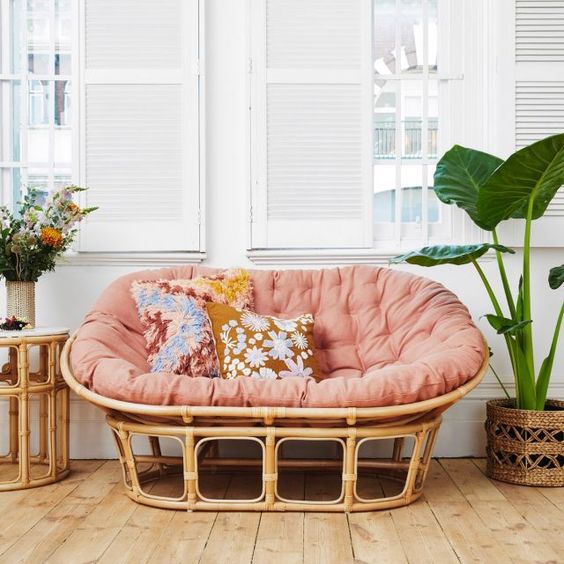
473,19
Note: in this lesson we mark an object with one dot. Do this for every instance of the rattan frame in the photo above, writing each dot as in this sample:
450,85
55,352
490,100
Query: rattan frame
53,426
194,425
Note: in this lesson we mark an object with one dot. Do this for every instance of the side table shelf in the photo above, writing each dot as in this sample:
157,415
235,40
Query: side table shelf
34,409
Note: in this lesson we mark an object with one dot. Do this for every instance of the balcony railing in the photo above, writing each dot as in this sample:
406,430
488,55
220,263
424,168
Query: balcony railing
385,139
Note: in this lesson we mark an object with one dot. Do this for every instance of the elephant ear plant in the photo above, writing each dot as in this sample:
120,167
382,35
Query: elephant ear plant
490,191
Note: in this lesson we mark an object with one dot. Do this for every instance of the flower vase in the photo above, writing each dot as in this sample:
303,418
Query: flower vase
20,300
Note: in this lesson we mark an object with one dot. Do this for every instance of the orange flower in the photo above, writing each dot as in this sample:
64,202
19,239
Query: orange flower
73,208
51,237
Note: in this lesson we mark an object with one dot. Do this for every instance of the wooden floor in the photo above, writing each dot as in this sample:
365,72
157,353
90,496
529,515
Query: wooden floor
462,517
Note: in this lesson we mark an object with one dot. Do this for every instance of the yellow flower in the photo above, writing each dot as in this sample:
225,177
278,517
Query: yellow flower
51,237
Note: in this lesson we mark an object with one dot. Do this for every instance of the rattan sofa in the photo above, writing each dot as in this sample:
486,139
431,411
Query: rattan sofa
396,350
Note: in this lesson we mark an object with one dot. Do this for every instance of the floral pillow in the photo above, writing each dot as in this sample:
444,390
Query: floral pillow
260,346
178,333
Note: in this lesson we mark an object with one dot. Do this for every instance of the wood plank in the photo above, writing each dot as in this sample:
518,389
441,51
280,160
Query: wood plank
513,534
52,530
186,535
470,480
326,535
280,536
374,535
468,535
233,533
546,518
27,511
421,536
112,509
471,539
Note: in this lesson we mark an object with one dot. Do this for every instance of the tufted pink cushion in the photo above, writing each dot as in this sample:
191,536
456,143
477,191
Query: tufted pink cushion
384,337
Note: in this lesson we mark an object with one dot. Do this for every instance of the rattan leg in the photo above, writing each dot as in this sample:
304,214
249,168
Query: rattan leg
270,476
398,447
190,474
349,472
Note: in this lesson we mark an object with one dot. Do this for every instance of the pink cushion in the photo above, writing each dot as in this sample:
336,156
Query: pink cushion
384,337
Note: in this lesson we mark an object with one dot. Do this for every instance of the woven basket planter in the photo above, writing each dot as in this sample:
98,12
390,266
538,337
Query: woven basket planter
525,447
20,300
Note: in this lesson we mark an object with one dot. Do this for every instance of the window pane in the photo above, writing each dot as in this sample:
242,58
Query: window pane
433,204
384,194
399,36
43,138
62,102
384,16
38,63
411,206
385,120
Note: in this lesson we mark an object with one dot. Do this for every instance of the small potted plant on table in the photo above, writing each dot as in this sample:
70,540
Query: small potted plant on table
31,239
526,433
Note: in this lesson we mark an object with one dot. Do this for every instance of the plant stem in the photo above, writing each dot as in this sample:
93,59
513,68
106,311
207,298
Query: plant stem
528,330
500,382
504,280
489,289
508,341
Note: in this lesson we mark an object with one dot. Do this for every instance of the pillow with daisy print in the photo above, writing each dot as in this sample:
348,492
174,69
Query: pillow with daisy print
262,346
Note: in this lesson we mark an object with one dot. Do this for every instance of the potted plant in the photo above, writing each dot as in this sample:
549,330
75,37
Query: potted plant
31,239
525,433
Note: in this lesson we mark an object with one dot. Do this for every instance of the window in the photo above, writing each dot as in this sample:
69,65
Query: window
351,105
36,91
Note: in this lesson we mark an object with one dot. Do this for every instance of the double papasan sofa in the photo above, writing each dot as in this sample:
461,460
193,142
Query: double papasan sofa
395,351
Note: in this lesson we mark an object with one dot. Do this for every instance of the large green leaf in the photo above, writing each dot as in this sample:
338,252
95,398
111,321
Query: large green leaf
458,178
556,277
503,325
535,172
448,254
547,365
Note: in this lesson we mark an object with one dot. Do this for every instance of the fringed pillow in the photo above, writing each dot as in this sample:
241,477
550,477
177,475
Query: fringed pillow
178,333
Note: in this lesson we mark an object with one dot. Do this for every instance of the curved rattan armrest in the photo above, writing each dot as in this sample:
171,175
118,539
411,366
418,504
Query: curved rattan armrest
350,414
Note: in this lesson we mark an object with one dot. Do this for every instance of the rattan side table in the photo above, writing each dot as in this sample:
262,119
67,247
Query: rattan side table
35,400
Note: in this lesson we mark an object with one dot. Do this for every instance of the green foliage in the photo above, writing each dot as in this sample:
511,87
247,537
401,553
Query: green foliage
448,254
490,191
459,175
556,277
503,325
528,178
32,238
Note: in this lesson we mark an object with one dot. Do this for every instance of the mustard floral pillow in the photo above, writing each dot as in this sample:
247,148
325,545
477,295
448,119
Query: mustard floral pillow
261,346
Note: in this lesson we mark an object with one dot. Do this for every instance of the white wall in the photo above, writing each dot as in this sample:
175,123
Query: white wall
66,295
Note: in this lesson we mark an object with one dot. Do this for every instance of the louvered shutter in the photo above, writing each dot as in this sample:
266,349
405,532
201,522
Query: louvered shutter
140,125
539,92
311,121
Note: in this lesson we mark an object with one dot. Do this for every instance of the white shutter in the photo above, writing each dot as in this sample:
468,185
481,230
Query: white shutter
140,125
539,92
311,123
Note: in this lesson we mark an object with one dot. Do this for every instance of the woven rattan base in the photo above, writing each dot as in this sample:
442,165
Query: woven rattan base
36,402
526,447
197,445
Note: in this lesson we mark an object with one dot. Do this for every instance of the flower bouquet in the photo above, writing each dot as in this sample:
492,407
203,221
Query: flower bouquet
31,239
